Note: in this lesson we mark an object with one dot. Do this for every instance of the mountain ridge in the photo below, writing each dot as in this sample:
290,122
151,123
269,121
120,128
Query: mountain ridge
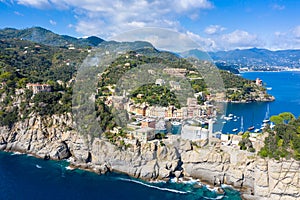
47,37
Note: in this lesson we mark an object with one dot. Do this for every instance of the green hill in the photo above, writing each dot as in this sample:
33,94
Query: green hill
46,37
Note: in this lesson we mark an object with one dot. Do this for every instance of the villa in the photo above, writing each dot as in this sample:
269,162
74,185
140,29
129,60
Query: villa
36,87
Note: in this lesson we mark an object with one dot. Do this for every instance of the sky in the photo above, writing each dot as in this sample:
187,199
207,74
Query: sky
213,24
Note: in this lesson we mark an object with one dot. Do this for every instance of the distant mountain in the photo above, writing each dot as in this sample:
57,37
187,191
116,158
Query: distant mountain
258,58
196,53
44,36
201,55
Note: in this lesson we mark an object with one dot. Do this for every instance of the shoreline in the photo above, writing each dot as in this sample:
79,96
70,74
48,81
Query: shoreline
218,190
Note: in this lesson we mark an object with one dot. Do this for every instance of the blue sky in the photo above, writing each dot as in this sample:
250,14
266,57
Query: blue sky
214,24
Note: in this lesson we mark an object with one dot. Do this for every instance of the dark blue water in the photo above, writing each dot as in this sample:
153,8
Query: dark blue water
286,89
25,177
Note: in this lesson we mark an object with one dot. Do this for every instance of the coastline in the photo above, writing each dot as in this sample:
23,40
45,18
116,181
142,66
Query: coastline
212,164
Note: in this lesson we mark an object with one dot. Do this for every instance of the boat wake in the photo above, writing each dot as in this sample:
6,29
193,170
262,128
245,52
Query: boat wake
152,186
38,166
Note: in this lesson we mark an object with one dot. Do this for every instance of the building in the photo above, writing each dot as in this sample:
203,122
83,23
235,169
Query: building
36,87
148,123
194,132
160,126
144,134
258,82
178,72
160,82
174,85
155,111
137,109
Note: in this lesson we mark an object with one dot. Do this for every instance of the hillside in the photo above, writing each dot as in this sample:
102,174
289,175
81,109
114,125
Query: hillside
46,37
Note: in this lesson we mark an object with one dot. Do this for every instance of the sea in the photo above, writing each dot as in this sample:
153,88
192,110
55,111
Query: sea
26,177
284,86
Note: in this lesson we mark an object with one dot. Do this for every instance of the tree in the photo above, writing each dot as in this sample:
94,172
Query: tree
287,117
276,119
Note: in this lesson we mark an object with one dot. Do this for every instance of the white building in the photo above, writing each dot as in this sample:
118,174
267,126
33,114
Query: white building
194,133
144,134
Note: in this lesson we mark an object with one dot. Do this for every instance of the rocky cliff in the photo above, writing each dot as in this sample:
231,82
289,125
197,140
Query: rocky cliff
53,138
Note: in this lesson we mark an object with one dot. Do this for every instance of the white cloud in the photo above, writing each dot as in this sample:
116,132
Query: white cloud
206,44
296,32
123,15
277,7
52,22
18,13
286,40
35,3
240,39
214,29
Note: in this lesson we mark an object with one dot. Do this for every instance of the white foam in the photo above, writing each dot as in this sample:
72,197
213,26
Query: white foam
152,186
16,153
38,166
69,168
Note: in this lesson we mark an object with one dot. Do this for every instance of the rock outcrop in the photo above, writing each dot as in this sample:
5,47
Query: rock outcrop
53,138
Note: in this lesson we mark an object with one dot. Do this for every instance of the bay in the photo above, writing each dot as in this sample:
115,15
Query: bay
285,86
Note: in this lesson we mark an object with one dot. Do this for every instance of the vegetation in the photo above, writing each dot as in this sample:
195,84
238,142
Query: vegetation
245,143
155,95
23,62
239,88
284,140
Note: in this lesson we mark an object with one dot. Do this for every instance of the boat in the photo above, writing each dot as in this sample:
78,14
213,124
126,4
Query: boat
242,124
234,130
228,118
251,128
230,115
256,130
266,120
38,166
269,88
175,123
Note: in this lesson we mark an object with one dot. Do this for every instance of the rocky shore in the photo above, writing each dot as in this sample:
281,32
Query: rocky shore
53,138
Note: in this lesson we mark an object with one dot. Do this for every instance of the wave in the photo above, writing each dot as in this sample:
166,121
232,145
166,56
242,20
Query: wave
219,197
152,186
16,153
69,168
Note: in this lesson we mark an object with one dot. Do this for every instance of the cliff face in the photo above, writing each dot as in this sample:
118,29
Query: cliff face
50,138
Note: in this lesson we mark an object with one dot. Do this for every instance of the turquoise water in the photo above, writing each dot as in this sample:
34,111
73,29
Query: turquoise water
26,177
286,89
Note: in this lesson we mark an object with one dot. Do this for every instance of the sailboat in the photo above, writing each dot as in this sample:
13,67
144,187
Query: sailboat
251,127
242,124
266,120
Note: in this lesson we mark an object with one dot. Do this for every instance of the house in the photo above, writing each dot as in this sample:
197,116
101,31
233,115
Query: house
258,82
155,111
138,109
160,82
174,85
148,123
36,87
178,72
144,134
